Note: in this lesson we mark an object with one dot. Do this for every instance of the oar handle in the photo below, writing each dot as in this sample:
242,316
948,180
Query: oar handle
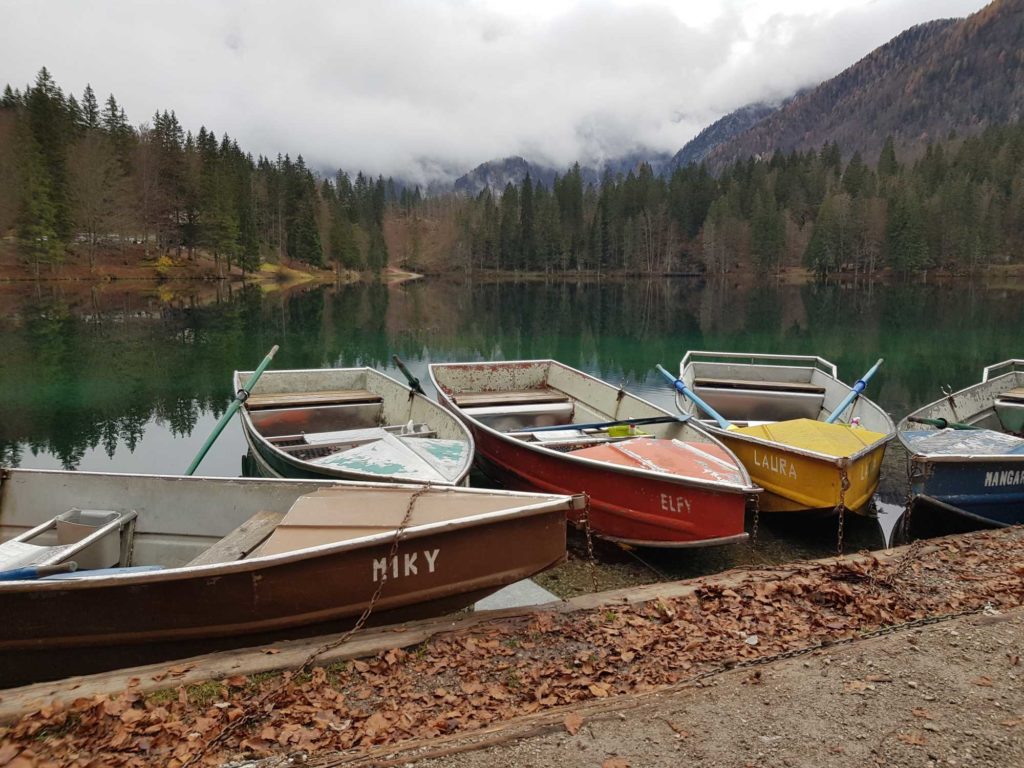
414,383
940,423
31,572
240,397
685,391
858,387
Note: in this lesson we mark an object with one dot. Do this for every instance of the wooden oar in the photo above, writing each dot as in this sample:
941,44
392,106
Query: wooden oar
605,424
240,397
858,387
414,383
941,423
685,391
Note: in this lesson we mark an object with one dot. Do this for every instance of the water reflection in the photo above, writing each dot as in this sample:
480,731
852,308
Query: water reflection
118,381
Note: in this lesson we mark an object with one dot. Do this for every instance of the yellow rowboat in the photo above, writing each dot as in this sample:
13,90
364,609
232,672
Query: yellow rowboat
778,406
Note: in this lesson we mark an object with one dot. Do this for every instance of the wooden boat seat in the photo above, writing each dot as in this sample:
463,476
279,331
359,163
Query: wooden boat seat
769,386
241,541
1015,395
94,537
524,397
306,399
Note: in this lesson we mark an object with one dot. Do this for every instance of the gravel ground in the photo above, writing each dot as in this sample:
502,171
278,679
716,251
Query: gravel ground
948,694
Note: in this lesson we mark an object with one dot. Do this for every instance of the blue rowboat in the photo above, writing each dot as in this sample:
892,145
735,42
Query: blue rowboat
977,471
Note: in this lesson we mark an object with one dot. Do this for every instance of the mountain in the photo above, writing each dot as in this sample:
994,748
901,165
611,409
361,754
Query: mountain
719,132
949,75
495,174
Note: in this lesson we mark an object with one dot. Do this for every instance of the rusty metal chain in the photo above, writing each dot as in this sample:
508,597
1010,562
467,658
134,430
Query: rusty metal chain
756,502
591,560
261,706
844,486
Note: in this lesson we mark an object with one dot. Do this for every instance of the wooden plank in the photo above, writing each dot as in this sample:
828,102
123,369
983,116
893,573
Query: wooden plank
1014,395
241,541
769,386
299,399
529,396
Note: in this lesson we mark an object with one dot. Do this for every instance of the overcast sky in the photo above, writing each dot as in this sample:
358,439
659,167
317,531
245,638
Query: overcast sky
416,88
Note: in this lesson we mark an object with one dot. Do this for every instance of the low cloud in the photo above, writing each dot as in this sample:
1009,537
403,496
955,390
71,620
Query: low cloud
425,89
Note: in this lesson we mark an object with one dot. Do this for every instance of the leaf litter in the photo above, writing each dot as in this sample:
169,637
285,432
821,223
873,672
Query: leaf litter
468,680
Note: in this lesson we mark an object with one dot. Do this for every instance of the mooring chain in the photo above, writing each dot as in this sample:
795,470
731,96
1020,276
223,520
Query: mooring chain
844,486
263,705
590,542
880,632
756,503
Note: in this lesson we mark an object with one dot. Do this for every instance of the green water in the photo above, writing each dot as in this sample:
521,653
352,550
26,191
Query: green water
109,380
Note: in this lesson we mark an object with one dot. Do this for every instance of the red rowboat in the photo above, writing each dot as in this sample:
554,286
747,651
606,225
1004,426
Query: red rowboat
539,424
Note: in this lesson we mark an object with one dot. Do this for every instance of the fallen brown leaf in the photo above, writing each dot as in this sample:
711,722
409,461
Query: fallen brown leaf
615,762
572,722
916,739
984,681
919,712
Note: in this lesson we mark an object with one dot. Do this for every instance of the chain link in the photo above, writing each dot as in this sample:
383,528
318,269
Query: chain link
264,704
591,560
844,486
756,499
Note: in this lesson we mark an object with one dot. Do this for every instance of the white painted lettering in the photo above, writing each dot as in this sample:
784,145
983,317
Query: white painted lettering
431,557
410,564
380,568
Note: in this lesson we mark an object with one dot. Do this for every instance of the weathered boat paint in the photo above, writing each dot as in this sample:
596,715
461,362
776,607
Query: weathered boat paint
987,486
56,628
805,473
633,505
398,405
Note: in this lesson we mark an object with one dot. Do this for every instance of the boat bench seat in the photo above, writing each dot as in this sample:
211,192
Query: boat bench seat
305,399
769,386
1015,395
241,541
524,397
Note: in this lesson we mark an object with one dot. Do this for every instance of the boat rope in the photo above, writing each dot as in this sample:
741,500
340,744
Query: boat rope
263,705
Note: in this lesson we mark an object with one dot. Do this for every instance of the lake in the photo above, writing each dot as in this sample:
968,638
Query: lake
113,379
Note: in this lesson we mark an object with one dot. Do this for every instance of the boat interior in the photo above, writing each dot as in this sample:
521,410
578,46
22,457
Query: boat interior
87,524
751,390
357,420
993,409
543,402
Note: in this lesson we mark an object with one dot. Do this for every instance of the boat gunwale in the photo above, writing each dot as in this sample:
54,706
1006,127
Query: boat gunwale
248,427
539,448
545,503
839,461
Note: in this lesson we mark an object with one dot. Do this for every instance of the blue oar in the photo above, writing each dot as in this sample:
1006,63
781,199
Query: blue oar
858,387
604,424
31,572
685,391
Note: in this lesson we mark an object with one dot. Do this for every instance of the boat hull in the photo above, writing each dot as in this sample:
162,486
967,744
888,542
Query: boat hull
639,511
990,490
796,482
57,629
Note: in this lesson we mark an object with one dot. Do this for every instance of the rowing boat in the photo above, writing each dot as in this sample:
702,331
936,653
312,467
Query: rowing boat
352,424
659,481
967,449
778,406
172,566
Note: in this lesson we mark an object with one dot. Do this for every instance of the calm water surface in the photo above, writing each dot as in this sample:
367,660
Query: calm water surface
103,379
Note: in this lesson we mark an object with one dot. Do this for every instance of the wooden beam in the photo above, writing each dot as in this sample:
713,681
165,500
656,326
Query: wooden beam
241,541
303,399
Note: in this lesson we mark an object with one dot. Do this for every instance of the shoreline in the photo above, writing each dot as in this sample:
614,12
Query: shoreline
487,673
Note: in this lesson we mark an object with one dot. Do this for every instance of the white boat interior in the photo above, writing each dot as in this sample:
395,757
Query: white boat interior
356,423
751,389
108,524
